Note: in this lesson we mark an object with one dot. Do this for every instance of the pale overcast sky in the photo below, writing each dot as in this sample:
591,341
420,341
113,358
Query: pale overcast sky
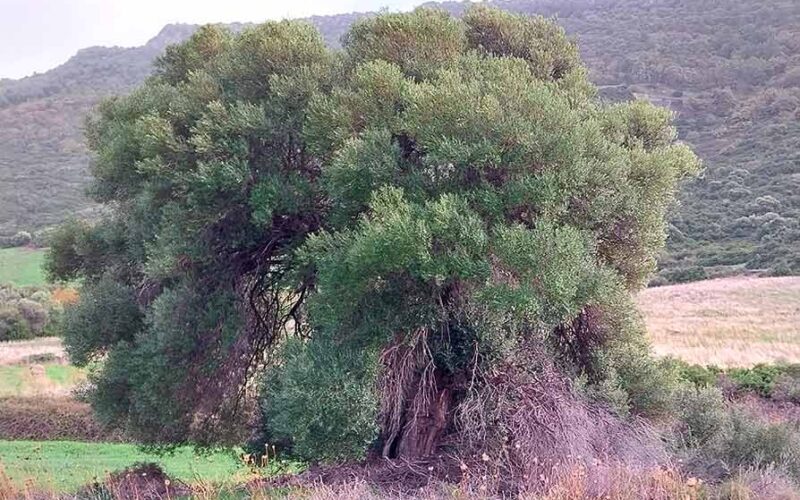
37,35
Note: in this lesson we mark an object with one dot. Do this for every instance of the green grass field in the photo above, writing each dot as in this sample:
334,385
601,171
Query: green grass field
65,466
50,379
21,266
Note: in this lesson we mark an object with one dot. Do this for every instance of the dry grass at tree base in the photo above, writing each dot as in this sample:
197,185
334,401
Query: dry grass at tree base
573,483
149,482
727,322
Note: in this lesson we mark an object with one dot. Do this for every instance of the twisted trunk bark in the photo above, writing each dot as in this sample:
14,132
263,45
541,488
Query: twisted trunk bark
425,423
416,401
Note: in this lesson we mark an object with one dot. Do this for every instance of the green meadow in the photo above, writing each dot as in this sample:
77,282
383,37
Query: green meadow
66,466
22,266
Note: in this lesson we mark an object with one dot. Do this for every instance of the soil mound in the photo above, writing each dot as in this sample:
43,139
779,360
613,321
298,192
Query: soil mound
143,481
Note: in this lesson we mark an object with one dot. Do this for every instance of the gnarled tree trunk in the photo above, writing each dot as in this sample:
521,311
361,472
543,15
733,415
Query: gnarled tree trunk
415,400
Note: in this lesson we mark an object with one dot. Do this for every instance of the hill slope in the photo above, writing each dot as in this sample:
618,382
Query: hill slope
729,68
43,159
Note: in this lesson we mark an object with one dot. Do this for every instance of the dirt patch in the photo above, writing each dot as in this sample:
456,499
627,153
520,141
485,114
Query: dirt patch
50,419
142,481
390,476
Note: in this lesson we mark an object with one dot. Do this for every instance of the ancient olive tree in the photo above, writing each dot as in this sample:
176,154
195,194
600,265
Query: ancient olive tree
429,236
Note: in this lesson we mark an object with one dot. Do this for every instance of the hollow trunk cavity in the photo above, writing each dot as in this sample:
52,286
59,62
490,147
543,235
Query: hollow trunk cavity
415,400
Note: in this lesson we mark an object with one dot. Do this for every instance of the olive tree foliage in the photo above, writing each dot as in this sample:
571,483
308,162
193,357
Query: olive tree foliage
431,202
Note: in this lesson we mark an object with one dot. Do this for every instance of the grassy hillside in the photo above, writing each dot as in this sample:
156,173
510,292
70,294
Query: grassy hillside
727,322
43,158
21,266
730,69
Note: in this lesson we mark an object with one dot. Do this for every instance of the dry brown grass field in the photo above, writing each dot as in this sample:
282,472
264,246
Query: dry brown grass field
15,352
728,322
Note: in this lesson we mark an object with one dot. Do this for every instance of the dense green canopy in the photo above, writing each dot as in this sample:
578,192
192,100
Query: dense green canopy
442,198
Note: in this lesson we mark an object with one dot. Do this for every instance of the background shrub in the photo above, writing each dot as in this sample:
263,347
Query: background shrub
761,378
702,413
322,401
697,375
748,442
34,314
713,430
12,324
28,312
20,239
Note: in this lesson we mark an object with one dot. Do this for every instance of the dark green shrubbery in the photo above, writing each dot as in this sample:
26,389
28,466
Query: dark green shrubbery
762,378
648,385
778,381
697,375
106,314
323,401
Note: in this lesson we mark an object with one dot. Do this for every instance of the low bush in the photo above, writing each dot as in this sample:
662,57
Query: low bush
322,402
29,312
713,430
759,379
12,324
697,375
748,442
648,383
776,381
702,413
